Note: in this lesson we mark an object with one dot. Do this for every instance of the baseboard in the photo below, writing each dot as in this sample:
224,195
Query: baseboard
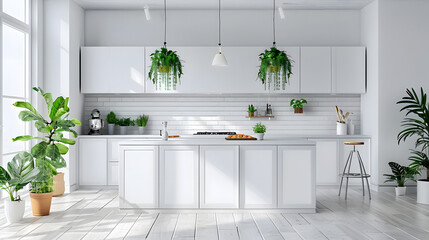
391,188
92,187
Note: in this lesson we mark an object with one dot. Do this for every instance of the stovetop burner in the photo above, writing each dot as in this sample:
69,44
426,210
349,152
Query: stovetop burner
215,133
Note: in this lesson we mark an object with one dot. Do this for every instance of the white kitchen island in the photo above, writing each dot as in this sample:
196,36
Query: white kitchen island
202,174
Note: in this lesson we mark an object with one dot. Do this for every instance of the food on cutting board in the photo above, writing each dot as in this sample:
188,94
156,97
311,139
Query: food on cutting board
240,136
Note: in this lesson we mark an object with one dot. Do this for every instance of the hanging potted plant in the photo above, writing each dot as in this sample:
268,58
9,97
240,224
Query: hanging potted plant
400,174
276,66
416,126
166,69
49,151
141,122
21,172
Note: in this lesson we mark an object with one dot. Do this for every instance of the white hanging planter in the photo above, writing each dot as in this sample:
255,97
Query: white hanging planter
14,210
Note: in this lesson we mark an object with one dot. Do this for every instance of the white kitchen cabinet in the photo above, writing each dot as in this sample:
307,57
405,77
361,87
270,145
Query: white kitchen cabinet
258,177
93,162
113,173
364,151
327,162
179,177
316,70
138,176
112,70
219,176
296,182
294,83
348,69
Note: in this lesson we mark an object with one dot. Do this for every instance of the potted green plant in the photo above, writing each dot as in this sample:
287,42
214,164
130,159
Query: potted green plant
124,123
416,126
21,172
111,121
166,69
275,68
400,174
48,152
251,109
141,122
298,105
259,129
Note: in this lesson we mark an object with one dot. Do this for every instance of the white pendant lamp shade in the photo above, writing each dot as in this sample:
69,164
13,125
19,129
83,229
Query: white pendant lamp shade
219,60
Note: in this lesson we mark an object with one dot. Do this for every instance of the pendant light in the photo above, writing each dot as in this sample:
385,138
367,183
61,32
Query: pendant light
219,59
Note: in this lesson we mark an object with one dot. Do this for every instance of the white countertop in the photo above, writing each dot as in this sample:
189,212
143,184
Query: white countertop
273,137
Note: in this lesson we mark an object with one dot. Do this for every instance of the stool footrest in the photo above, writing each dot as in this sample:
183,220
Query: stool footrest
355,175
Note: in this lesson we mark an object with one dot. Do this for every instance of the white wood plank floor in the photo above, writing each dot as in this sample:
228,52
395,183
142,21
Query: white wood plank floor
93,214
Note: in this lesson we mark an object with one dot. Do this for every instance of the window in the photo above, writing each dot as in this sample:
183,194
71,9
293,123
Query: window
14,74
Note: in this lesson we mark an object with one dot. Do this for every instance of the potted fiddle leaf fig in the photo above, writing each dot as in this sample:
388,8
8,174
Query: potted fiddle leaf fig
141,122
111,121
400,174
48,152
275,69
166,69
416,127
20,172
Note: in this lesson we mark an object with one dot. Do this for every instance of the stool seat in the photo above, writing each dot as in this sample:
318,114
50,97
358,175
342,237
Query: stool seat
354,143
356,175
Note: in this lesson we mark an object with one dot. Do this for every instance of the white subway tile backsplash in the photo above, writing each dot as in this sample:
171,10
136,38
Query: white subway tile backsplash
187,114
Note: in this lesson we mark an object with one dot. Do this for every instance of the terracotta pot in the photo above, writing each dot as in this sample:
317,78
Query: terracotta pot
41,203
298,110
59,185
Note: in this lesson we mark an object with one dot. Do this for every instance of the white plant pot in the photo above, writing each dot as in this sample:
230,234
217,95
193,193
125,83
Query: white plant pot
423,192
400,191
141,130
14,210
260,136
341,128
111,128
123,130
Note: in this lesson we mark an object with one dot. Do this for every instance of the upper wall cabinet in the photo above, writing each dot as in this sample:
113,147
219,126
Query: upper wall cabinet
348,69
112,70
316,73
240,76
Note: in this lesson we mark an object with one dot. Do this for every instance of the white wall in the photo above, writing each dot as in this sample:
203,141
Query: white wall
370,103
63,36
240,28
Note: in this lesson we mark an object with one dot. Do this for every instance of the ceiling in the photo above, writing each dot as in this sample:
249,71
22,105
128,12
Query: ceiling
226,4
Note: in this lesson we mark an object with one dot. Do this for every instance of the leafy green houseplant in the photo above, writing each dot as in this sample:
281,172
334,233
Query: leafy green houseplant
48,152
111,121
123,124
416,126
259,129
21,171
400,174
141,122
251,109
275,69
298,105
166,69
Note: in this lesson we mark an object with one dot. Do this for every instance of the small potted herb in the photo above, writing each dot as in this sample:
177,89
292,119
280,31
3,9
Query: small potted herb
400,175
298,105
111,121
259,129
21,172
251,110
141,122
124,123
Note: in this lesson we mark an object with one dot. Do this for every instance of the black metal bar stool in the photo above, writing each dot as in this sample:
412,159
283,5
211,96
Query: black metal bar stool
362,175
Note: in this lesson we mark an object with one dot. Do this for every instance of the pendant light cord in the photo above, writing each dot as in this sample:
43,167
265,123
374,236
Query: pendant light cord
165,23
219,25
274,23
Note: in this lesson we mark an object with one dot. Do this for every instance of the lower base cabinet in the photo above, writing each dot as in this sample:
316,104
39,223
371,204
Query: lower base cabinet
92,162
258,176
219,176
179,176
297,183
139,177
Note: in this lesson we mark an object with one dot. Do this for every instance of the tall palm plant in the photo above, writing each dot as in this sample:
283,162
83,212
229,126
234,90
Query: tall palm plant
416,125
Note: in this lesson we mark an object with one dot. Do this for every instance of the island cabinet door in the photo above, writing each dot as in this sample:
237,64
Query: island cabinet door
297,177
179,177
258,177
138,176
219,176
